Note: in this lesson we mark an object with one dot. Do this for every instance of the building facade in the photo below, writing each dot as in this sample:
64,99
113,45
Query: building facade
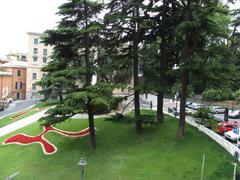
13,79
38,56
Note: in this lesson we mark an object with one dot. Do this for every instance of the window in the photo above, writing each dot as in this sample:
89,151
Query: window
18,73
44,60
35,50
34,75
33,86
44,52
35,59
18,85
35,41
44,75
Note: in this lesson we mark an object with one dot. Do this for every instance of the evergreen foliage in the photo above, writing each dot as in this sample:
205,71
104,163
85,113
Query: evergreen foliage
155,36
76,43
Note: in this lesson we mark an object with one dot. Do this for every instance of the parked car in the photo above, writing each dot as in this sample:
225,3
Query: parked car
196,106
191,105
226,126
232,135
188,104
10,100
234,114
217,109
173,111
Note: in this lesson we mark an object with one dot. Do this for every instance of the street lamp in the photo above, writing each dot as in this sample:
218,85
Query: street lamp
82,163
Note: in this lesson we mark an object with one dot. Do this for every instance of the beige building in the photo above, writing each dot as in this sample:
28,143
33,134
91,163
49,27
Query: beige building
38,55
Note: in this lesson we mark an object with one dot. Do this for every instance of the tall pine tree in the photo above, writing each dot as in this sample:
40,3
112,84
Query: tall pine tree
75,43
125,22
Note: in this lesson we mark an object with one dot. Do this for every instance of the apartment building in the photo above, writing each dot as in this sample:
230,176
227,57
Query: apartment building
38,56
13,79
16,56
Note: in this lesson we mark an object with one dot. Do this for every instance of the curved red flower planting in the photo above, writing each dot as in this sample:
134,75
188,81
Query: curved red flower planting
47,147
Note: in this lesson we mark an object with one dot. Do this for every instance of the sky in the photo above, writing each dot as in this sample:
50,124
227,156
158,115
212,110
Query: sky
17,17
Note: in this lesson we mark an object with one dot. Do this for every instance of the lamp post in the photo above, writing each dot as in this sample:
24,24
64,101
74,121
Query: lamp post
82,163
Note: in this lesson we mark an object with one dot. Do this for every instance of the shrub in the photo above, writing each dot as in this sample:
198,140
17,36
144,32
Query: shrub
202,113
115,101
217,94
203,117
237,96
118,117
101,106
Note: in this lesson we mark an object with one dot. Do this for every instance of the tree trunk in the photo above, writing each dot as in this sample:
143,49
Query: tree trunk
88,83
189,49
60,95
138,124
162,62
92,128
181,127
160,115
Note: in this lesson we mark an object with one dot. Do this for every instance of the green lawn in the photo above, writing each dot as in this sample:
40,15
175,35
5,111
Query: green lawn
120,155
40,106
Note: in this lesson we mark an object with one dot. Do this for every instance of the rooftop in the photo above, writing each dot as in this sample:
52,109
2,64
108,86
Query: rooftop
35,33
20,64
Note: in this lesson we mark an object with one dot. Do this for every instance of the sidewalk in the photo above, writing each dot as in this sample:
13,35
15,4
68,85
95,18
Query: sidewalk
21,123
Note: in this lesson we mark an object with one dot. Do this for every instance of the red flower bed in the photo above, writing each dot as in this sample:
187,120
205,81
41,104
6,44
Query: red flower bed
47,147
19,114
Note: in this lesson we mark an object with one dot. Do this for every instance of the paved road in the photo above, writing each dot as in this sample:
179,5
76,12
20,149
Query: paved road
220,117
17,106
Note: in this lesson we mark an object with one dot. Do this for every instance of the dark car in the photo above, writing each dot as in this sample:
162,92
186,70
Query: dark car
173,111
188,104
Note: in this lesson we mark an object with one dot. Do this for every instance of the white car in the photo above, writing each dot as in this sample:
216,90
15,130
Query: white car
10,100
234,114
217,109
196,106
232,135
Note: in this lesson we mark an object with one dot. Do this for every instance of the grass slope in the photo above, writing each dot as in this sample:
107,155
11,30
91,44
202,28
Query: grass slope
10,119
120,155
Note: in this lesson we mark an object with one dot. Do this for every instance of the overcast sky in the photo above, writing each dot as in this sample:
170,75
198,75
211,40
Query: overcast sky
17,17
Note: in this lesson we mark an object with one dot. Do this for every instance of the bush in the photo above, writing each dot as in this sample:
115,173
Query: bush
203,117
101,106
202,113
217,94
115,101
118,117
237,96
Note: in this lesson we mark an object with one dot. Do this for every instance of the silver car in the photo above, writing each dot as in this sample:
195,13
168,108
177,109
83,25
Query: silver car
217,109
234,114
